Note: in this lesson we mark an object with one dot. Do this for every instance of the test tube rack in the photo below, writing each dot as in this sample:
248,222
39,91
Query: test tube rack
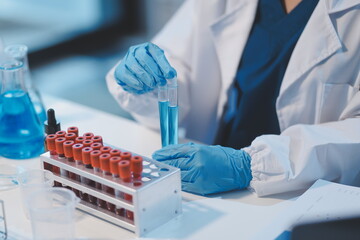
156,197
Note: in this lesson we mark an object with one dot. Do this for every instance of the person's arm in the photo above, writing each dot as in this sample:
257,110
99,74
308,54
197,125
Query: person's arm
175,40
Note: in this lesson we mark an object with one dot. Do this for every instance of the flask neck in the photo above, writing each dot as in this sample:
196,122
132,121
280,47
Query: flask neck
12,76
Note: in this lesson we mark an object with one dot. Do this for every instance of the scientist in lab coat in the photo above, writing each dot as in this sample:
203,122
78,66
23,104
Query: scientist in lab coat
275,86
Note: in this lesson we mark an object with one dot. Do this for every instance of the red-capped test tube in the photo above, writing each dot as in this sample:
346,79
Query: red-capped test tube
114,169
96,146
70,136
125,155
88,135
86,159
125,175
73,130
97,139
77,153
136,166
95,162
105,167
79,139
68,151
105,149
115,152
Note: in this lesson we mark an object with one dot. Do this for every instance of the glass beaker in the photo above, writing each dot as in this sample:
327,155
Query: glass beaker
19,52
21,134
52,213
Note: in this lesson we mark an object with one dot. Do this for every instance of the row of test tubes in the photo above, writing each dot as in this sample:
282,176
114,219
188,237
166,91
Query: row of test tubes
89,151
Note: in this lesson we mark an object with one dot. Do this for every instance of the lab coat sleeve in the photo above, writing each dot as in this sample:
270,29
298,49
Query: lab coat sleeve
301,154
175,40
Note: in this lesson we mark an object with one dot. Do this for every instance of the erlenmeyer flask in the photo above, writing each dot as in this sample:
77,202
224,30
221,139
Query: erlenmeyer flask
21,134
19,53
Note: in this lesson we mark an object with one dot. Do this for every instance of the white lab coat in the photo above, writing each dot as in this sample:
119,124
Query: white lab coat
318,106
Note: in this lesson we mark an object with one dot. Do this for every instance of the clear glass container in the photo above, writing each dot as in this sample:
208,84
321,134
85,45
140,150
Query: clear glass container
19,52
21,134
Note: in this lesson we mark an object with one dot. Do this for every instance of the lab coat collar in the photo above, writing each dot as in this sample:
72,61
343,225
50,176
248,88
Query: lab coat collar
341,5
230,33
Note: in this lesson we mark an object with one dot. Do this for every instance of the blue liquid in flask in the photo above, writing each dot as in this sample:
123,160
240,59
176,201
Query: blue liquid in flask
21,134
173,125
164,122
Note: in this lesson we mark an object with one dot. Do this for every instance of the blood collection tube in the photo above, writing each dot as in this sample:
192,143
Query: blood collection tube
60,133
114,169
95,162
87,143
68,151
59,146
105,167
96,145
79,139
77,153
125,155
97,139
115,152
70,136
125,175
105,149
87,163
88,135
73,130
50,143
136,164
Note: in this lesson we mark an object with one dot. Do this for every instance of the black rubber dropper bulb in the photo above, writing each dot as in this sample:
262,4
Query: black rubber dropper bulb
51,125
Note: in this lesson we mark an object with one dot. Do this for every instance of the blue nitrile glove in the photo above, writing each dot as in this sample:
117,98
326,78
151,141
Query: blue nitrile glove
143,68
208,169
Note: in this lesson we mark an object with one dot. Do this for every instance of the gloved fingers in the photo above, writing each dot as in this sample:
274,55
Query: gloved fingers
150,66
192,188
174,151
143,77
159,57
183,163
190,176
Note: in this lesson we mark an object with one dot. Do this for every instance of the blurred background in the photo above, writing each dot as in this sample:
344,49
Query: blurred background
74,43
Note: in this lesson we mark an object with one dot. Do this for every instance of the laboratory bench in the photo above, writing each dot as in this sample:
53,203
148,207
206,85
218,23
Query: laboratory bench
129,135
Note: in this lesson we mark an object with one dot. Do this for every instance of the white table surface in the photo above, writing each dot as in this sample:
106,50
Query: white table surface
121,133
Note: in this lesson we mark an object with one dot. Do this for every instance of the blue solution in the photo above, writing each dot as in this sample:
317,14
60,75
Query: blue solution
173,125
164,122
21,134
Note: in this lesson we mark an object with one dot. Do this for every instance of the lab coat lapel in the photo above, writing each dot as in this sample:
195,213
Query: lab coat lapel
230,33
318,41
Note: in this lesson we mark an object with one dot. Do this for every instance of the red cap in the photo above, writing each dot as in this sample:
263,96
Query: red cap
60,133
95,158
50,142
77,151
79,139
97,139
59,145
73,130
114,165
96,145
136,166
85,152
88,135
115,152
105,149
105,162
87,143
125,155
124,170
70,136
68,148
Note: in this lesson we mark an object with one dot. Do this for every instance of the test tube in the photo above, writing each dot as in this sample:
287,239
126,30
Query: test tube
115,152
115,174
79,139
96,145
73,130
136,165
105,149
173,111
125,156
77,153
68,151
60,133
88,135
87,143
50,142
95,163
59,141
105,167
86,158
70,136
97,139
125,175
163,101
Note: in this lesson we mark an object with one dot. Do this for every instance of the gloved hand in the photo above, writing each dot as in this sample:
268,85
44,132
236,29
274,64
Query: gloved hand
144,67
208,169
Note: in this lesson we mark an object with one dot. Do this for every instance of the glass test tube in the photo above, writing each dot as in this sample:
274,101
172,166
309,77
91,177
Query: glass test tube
86,158
163,101
50,142
125,175
95,163
136,165
59,145
69,157
115,174
105,167
173,111
77,152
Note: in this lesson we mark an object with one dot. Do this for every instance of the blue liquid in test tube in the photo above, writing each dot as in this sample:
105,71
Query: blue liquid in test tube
173,123
164,122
